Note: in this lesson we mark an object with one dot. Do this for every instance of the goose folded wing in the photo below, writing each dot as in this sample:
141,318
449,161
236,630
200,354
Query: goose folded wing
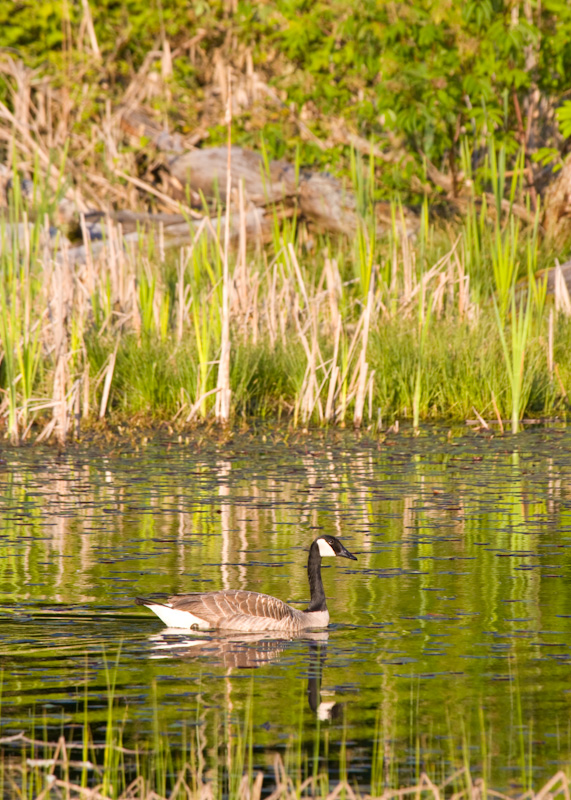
213,607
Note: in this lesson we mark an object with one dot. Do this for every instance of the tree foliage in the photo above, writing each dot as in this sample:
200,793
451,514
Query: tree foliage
424,71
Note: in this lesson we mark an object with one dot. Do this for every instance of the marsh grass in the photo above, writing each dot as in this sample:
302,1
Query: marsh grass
514,350
32,768
101,754
392,325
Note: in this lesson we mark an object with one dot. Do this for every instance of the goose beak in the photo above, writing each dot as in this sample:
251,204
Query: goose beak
346,554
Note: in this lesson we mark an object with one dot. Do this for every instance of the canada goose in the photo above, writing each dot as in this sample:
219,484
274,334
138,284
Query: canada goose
251,611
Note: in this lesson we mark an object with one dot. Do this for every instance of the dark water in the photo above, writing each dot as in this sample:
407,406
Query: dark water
450,636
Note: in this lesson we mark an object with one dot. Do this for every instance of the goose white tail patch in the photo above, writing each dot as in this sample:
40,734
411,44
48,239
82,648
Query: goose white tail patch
163,648
175,618
325,548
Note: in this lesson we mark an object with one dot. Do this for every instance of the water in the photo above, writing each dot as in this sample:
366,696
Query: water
449,637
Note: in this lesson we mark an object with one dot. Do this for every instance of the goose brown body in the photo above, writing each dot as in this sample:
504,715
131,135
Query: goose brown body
241,610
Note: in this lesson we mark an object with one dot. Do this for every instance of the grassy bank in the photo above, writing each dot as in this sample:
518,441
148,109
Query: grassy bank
450,323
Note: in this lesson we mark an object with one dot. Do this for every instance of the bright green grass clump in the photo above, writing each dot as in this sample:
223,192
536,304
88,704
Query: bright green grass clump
462,369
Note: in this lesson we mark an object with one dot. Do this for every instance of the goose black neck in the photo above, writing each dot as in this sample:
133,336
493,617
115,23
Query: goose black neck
318,602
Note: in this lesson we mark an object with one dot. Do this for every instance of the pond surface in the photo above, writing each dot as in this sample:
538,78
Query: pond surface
449,638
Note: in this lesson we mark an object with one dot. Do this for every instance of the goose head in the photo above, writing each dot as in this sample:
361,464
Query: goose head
330,546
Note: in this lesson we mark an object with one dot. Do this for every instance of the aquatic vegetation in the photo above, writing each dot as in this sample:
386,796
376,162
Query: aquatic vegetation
399,328
319,321
32,767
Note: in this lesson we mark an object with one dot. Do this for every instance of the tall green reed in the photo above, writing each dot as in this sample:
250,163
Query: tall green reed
112,759
504,252
8,334
20,340
424,319
514,348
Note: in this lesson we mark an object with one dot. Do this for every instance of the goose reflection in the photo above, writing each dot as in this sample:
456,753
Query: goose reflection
323,709
250,651
239,651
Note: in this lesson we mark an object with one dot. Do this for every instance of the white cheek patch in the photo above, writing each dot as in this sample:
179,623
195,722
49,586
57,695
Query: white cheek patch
325,548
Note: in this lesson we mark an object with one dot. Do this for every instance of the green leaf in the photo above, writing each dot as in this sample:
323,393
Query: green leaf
563,115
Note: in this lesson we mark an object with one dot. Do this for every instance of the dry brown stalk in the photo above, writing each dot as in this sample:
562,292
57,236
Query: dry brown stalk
334,286
497,413
352,346
224,393
309,395
559,777
240,275
436,269
342,787
560,382
87,26
25,143
550,343
250,787
109,370
88,254
82,791
363,365
60,301
255,305
21,737
438,295
108,191
299,276
501,795
562,299
137,87
176,205
369,392
481,420
196,407
315,401
334,377
452,778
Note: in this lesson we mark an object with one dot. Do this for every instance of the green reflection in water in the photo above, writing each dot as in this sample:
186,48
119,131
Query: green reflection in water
449,639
